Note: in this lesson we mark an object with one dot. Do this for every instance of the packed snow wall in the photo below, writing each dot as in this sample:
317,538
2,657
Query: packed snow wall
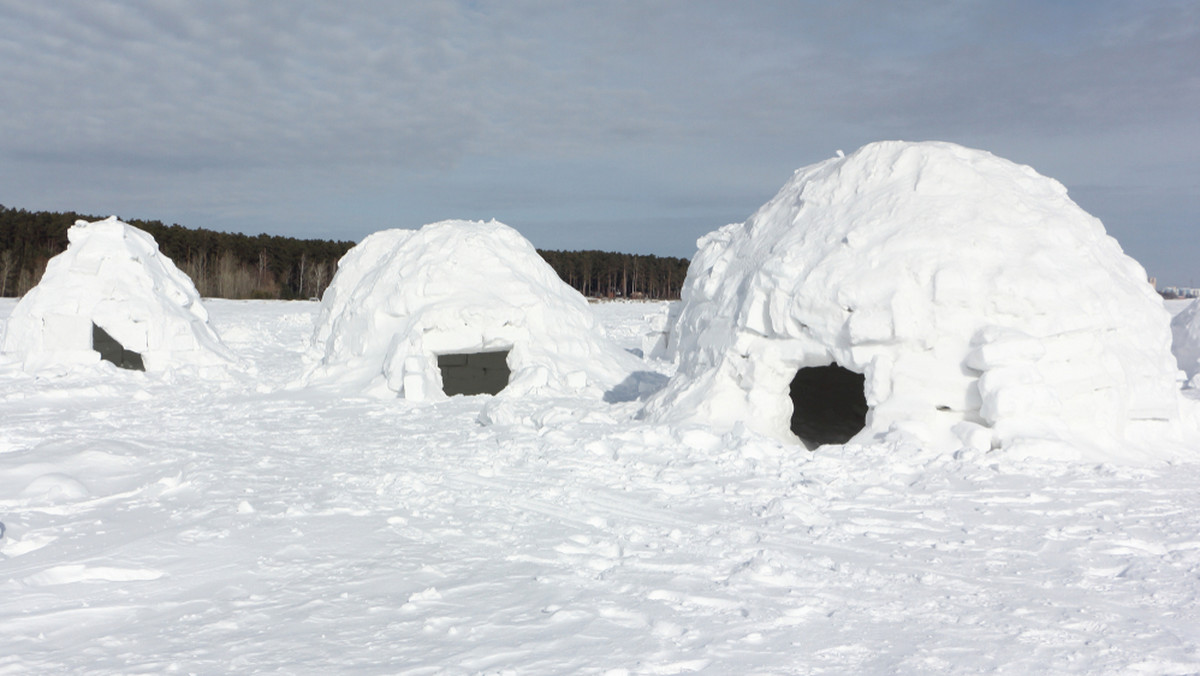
403,298
983,308
112,282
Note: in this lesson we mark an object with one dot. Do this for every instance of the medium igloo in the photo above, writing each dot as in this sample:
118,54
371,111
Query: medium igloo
924,289
112,296
457,307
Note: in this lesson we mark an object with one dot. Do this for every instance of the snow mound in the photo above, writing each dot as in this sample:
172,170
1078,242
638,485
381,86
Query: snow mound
1185,341
983,308
402,298
112,276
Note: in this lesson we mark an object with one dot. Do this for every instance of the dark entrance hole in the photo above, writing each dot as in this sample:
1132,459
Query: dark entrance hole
828,405
474,373
112,351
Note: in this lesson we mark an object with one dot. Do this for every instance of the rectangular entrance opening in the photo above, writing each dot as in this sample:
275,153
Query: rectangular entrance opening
474,373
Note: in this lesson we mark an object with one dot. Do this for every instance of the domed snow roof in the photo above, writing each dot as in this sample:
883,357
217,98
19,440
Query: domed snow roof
402,298
113,276
982,306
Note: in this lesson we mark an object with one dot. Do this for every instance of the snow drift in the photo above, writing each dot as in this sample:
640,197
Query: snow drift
112,277
983,308
403,298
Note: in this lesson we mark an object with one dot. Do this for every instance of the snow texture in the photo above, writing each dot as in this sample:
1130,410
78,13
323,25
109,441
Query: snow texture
201,527
984,308
400,298
113,275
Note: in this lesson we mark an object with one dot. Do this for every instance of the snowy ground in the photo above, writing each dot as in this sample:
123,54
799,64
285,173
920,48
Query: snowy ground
241,527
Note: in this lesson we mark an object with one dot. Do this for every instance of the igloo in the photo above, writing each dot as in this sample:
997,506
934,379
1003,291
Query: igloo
1185,341
924,289
457,307
112,296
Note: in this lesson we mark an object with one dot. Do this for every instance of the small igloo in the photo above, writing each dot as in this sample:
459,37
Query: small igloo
927,289
457,307
112,296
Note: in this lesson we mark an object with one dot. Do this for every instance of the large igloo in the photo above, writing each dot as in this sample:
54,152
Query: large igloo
407,308
111,295
928,290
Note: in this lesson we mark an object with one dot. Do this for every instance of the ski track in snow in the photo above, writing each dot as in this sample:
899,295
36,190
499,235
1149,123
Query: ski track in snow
167,526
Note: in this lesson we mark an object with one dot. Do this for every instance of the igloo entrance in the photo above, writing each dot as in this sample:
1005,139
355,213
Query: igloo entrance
474,373
828,405
112,351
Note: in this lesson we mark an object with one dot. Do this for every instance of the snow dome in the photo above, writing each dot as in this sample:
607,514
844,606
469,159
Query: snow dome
112,295
924,289
411,310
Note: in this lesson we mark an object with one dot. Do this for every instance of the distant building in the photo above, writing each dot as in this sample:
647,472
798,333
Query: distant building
1179,292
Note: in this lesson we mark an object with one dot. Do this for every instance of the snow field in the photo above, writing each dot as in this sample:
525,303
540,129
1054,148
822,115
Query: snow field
160,525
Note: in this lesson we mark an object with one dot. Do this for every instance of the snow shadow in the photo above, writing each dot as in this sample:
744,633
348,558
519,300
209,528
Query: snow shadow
638,386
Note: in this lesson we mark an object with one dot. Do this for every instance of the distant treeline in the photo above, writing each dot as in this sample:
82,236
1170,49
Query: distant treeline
230,265
222,265
617,275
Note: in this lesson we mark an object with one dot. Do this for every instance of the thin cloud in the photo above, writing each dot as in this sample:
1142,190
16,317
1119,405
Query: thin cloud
276,116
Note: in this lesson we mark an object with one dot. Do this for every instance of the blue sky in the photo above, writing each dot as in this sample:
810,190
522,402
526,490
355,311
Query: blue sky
632,126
